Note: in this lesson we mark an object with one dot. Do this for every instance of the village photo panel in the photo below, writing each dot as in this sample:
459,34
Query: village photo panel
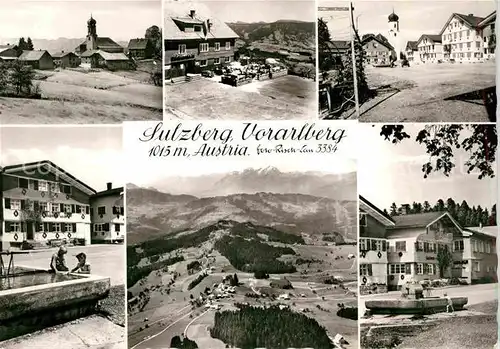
62,232
415,61
235,59
242,253
80,62
428,229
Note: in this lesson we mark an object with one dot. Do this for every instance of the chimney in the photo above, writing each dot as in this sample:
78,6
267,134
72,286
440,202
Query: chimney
192,13
109,185
405,209
471,15
209,24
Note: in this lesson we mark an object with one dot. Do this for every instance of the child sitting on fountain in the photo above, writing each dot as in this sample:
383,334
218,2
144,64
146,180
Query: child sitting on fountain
82,267
58,263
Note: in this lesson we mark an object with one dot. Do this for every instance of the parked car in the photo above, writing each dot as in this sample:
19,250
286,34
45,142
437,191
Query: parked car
207,73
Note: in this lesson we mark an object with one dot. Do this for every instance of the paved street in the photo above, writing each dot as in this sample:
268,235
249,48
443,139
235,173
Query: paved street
104,260
422,90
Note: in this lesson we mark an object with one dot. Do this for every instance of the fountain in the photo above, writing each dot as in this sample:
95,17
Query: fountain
32,299
412,301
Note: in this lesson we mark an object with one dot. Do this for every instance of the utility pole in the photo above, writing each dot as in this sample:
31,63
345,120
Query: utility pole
353,52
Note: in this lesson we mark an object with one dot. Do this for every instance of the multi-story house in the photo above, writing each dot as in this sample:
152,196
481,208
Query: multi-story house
408,245
373,246
42,202
430,48
487,26
107,215
462,37
195,40
411,52
377,51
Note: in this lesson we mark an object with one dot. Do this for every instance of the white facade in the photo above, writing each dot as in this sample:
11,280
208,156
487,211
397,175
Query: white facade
394,36
429,50
108,216
463,43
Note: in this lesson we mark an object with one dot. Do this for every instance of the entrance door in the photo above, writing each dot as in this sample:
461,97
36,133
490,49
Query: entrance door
29,233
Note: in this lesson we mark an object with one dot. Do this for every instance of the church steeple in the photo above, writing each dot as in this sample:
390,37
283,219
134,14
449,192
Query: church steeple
91,26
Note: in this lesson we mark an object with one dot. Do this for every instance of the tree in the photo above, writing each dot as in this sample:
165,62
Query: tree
463,213
394,209
153,34
492,220
427,207
234,280
444,259
440,141
29,45
21,77
4,77
439,207
21,46
492,42
451,206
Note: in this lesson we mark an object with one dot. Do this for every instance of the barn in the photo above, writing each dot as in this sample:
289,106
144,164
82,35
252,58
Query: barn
37,59
107,60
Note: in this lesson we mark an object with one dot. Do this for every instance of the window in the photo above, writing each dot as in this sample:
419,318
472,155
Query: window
476,266
101,210
15,227
365,270
57,227
203,63
97,227
67,208
54,187
197,28
117,227
83,209
68,227
420,268
398,268
55,207
41,227
204,47
66,189
362,244
362,219
216,60
408,269
400,246
43,186
44,207
182,49
458,245
420,245
228,45
227,59
23,183
217,46
15,204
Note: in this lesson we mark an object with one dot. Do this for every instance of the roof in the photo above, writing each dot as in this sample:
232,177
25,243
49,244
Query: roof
110,192
412,45
339,44
490,230
489,19
7,47
471,20
66,176
418,220
379,39
106,55
62,54
393,17
377,213
32,55
180,12
432,37
104,43
138,44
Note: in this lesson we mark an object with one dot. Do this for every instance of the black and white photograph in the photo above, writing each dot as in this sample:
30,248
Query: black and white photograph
80,62
236,59
415,61
62,252
243,255
427,236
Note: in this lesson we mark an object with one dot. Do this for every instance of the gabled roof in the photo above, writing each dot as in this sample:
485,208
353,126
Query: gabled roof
412,45
7,47
491,231
379,39
339,44
32,55
110,192
178,13
62,54
470,20
104,43
138,44
59,172
432,37
489,19
375,212
106,55
422,220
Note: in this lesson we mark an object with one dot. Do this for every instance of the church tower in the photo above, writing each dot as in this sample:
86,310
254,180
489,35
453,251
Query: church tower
91,34
393,35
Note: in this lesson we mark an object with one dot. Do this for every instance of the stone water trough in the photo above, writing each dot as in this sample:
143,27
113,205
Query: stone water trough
32,299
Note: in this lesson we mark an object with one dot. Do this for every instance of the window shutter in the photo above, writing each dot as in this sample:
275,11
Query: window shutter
23,204
114,209
36,206
61,207
37,227
370,273
35,185
106,227
7,227
63,228
23,227
91,211
121,211
117,227
74,227
87,209
51,227
77,208
7,203
46,227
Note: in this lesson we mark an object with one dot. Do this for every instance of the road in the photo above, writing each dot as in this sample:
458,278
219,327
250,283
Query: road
423,89
105,260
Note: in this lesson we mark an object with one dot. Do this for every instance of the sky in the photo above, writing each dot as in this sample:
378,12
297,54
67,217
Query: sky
262,10
392,173
40,19
91,154
415,17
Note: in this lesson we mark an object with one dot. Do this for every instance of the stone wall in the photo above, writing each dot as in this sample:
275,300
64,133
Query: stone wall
372,289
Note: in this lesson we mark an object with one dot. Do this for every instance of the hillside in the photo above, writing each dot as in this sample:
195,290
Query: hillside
294,36
270,179
151,214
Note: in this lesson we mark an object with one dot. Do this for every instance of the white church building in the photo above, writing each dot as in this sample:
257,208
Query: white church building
394,36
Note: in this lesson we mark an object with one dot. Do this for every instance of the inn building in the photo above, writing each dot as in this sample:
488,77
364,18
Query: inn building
40,203
108,215
393,250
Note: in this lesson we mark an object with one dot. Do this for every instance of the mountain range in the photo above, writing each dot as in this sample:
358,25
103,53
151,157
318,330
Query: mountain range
152,213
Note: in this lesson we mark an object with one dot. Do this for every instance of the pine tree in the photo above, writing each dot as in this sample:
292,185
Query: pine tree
394,209
29,45
493,217
439,207
427,207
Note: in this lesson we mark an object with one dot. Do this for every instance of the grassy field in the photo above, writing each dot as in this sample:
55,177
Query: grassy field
288,97
75,96
422,92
